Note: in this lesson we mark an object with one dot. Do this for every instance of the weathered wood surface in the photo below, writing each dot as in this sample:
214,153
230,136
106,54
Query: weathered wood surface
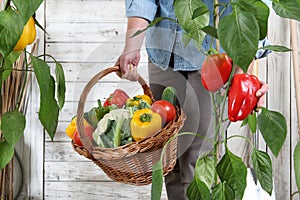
86,37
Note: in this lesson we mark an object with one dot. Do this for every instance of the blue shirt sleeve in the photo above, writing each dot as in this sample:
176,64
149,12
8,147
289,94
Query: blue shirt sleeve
141,8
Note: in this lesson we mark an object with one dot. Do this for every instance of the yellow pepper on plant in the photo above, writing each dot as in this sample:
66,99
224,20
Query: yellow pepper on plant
28,35
144,123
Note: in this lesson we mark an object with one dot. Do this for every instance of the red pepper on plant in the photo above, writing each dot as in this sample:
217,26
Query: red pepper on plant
118,97
215,71
242,96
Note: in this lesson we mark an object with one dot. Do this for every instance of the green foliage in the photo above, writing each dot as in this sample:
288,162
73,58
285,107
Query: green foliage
12,21
272,126
198,190
239,33
297,164
11,134
195,18
49,109
263,169
157,180
287,8
239,37
222,191
8,64
27,8
233,171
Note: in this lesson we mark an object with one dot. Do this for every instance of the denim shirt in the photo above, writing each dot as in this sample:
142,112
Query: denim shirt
166,36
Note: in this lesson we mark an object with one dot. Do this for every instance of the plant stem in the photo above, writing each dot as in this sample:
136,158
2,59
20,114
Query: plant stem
240,136
24,82
1,74
216,133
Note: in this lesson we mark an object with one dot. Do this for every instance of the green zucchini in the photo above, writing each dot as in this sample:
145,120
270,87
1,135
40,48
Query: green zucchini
169,94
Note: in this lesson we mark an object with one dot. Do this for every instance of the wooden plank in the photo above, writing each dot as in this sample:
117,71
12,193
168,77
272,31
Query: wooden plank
85,32
295,138
85,11
279,100
88,52
96,191
262,75
74,171
83,72
62,152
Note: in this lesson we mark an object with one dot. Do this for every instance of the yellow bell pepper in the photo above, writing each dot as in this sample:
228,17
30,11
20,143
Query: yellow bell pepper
144,123
136,100
28,35
72,127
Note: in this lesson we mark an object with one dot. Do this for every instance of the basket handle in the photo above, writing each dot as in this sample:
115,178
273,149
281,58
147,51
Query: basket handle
80,109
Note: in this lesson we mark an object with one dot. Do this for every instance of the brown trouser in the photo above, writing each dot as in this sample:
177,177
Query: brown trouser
195,101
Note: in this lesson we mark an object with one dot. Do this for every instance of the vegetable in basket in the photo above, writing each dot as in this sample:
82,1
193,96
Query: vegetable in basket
113,129
139,100
144,123
72,132
118,98
165,109
96,114
72,127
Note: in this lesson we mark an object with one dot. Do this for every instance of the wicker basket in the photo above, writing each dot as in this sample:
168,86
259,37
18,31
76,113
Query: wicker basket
131,163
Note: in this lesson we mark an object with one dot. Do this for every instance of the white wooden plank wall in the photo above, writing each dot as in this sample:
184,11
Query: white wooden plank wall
86,37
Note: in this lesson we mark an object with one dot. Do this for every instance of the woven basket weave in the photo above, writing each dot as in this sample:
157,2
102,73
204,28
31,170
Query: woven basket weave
131,163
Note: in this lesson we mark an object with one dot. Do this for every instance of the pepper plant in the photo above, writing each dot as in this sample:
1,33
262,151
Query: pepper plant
13,18
238,33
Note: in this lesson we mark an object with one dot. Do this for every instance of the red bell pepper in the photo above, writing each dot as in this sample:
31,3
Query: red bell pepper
215,71
242,96
118,97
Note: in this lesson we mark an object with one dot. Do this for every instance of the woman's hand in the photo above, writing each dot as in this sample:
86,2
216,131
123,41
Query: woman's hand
261,93
128,63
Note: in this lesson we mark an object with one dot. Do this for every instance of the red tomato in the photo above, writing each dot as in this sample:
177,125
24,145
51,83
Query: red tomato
88,130
166,110
118,97
215,71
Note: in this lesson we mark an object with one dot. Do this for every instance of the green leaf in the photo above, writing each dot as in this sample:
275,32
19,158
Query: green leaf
157,181
200,11
204,170
277,48
27,7
49,110
222,191
192,26
251,121
261,12
297,164
287,8
232,170
272,126
155,21
12,134
6,152
61,85
263,169
198,190
11,24
8,63
210,30
239,36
